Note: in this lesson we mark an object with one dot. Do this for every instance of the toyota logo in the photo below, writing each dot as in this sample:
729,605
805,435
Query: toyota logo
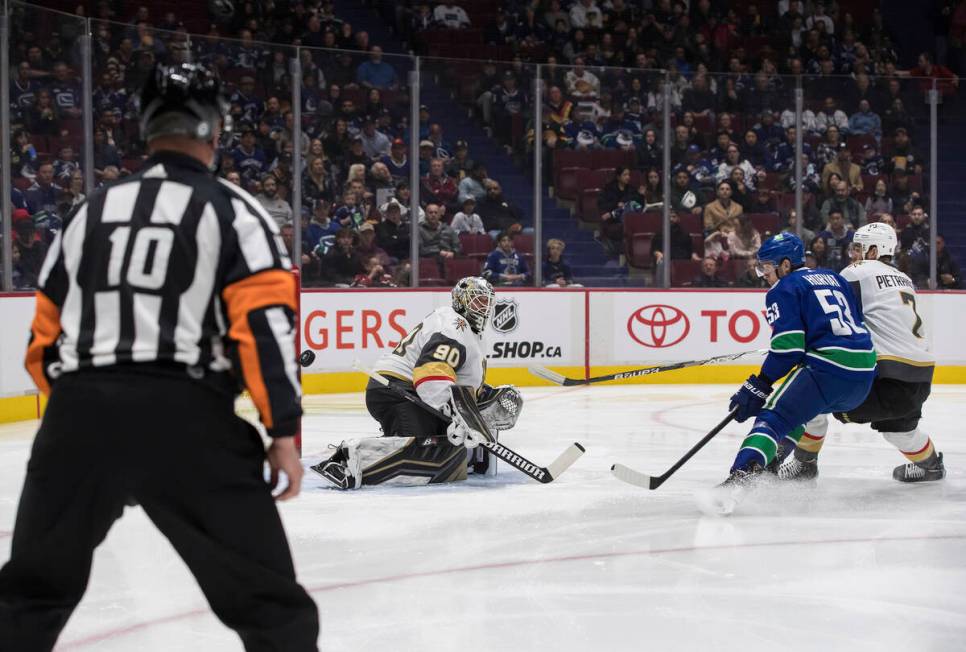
658,326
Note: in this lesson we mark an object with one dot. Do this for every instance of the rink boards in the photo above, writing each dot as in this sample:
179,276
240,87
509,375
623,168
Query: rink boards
577,332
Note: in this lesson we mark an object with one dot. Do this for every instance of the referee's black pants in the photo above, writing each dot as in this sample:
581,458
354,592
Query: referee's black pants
177,448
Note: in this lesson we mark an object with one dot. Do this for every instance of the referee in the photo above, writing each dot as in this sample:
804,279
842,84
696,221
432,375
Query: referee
161,298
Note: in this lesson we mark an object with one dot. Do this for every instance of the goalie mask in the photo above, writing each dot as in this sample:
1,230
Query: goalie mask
473,299
875,234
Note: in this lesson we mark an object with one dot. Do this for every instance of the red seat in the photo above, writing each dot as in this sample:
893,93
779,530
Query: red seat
697,243
429,274
611,158
476,245
691,223
764,222
638,250
650,222
684,271
22,183
523,243
868,181
460,267
567,183
587,205
857,142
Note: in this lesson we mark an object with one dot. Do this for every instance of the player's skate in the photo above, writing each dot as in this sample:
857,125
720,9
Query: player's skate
722,500
930,469
342,469
799,468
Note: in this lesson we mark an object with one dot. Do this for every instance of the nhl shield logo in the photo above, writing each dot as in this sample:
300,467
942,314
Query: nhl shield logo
505,316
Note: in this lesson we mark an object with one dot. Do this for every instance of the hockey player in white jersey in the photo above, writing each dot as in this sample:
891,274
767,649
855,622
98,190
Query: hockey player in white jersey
904,365
417,447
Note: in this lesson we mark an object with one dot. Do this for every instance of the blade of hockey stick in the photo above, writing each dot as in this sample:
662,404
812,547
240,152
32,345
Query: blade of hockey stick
542,474
560,379
639,479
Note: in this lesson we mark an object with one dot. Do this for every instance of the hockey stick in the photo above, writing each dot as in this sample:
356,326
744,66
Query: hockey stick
639,479
544,474
560,379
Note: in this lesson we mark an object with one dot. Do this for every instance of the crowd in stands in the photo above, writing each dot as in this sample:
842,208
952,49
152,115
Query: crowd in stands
730,86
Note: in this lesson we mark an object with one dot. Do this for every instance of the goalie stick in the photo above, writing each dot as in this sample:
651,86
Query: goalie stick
560,379
639,479
544,474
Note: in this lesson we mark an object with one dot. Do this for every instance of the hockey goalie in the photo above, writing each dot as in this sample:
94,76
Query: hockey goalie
440,353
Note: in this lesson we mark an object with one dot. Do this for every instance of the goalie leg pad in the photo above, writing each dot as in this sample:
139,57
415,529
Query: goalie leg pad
499,406
409,461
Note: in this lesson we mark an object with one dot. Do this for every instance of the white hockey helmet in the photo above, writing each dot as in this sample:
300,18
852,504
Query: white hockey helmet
688,200
473,298
876,234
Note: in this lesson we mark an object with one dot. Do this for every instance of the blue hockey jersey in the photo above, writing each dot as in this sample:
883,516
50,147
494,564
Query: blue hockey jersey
816,320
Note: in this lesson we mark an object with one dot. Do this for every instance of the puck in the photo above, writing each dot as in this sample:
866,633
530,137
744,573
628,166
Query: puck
307,358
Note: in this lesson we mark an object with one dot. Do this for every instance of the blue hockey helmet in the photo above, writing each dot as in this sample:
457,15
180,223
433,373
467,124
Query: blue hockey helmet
779,247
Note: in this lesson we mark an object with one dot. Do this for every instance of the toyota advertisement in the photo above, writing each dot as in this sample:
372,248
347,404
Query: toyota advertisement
673,326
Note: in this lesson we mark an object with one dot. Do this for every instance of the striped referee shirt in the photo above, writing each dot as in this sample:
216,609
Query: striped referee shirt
171,266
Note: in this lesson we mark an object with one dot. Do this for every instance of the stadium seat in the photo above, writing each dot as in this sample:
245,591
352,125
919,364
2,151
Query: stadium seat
691,223
764,222
567,183
650,222
683,271
459,267
638,250
476,245
523,243
587,205
429,274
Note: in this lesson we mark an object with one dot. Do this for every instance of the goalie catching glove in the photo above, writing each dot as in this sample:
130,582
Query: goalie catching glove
498,407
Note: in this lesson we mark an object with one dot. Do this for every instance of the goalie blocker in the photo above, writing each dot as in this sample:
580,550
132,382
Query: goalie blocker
419,447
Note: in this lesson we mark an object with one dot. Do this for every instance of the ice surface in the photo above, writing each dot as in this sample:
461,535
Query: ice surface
859,562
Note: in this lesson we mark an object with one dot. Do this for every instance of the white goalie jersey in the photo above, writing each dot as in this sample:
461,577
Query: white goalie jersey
888,300
439,351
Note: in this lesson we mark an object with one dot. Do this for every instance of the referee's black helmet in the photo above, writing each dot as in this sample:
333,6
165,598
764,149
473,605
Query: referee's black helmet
185,99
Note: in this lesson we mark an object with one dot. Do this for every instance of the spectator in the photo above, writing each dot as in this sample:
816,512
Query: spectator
65,165
392,234
947,270
42,195
367,247
105,153
716,244
427,149
249,158
904,198
831,115
755,151
734,160
584,14
683,191
66,92
73,194
397,161
380,181
682,247
903,155
317,182
350,214
708,278
896,117
438,188
278,208
30,248
864,121
23,155
247,101
745,240
871,163
750,277
582,84
43,117
376,73
848,206
467,220
722,210
818,252
374,275
504,266
340,265
451,16
741,194
837,236
437,239
791,226
845,168
914,238
472,184
356,154
879,201
498,214
616,197
556,272
460,164
926,72
698,99
828,150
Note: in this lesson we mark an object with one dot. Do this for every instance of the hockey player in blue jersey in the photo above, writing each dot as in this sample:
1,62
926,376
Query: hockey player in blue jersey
819,344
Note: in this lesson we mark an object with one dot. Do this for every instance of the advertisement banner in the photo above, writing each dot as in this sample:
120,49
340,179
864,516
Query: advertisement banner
673,326
526,328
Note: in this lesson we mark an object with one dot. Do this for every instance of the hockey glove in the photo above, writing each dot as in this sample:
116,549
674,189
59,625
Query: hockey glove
750,398
499,406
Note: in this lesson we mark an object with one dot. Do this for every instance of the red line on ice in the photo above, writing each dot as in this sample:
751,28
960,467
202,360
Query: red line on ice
135,627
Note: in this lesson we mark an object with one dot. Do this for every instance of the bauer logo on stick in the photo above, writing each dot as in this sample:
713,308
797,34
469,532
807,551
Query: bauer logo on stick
505,317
